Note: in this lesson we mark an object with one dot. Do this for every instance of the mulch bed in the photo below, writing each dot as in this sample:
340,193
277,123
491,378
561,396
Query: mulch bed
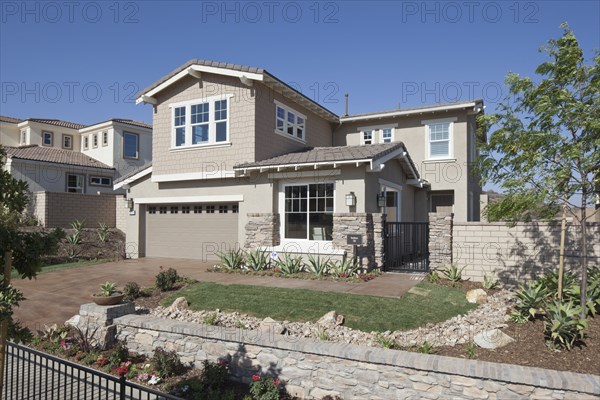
91,248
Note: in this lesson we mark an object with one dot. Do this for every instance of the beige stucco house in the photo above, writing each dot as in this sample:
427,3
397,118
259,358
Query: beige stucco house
241,159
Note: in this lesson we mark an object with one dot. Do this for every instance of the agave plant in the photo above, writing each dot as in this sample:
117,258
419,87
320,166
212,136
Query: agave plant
232,259
531,298
107,289
256,260
453,273
289,265
317,266
345,267
563,324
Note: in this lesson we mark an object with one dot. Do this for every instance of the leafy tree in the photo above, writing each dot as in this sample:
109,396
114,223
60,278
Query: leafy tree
545,149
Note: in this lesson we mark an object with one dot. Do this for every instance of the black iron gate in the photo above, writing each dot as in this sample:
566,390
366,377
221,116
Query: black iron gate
406,246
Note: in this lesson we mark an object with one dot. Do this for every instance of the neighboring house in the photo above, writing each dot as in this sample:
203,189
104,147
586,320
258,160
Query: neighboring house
242,159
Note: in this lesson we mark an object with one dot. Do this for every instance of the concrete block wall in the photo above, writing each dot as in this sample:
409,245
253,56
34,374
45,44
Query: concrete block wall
121,213
54,209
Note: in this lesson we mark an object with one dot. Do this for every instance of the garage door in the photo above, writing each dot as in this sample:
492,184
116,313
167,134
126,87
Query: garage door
197,231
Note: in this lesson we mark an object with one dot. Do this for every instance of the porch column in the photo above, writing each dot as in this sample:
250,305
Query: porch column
370,226
440,239
262,230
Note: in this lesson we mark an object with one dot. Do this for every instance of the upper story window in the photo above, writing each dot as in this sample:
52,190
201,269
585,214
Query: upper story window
47,138
105,138
367,137
86,142
290,122
439,138
201,122
23,140
67,142
95,140
131,145
377,134
387,135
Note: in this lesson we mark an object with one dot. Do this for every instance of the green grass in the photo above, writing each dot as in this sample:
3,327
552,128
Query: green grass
57,267
366,313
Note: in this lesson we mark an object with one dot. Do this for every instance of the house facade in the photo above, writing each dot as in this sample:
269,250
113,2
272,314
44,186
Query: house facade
240,159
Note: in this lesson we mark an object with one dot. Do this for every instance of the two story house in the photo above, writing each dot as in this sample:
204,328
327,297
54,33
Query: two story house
241,159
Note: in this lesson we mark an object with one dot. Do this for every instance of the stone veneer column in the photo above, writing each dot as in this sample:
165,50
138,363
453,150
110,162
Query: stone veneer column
97,321
262,230
440,239
370,226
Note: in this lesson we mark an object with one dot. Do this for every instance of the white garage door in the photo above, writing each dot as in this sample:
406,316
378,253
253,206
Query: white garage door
197,231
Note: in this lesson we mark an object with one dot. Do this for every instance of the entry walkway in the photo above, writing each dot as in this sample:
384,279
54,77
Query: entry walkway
56,296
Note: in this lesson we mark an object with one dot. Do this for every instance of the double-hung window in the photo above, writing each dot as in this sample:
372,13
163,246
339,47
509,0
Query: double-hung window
367,137
75,183
308,211
439,139
201,122
290,122
386,135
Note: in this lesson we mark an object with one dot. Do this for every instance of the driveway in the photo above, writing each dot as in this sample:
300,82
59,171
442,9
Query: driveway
54,297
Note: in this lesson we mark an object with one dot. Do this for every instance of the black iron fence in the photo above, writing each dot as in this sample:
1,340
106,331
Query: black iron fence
31,374
406,246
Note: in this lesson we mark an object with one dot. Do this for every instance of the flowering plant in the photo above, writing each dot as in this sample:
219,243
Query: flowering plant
264,388
101,361
122,369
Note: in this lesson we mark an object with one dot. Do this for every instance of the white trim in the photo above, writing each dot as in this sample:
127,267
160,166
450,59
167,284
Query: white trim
287,135
108,124
193,176
450,122
323,173
289,109
200,146
390,184
133,178
323,248
392,138
200,68
225,96
232,198
362,136
438,120
408,112
438,160
300,165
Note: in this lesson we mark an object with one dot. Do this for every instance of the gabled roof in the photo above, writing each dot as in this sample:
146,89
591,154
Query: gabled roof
196,67
54,155
374,153
10,120
412,110
132,175
132,122
56,122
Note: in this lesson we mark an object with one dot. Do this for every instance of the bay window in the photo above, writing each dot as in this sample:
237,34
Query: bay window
308,211
208,122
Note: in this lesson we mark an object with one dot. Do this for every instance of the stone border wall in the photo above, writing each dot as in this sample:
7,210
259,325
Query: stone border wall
312,369
370,226
262,230
512,254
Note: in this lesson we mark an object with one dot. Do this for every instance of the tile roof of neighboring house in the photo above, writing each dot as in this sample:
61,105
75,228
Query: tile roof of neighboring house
132,122
54,155
10,120
331,154
57,122
133,172
398,110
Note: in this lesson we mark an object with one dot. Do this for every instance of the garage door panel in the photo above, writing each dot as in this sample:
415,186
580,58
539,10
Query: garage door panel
199,236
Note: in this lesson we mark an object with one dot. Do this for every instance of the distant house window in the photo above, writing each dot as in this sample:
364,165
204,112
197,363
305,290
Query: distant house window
105,138
199,123
23,137
47,138
387,135
290,122
131,145
100,180
210,209
367,137
75,183
439,136
67,142
86,142
95,140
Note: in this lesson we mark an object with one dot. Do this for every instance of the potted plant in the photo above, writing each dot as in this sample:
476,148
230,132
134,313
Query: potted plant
108,295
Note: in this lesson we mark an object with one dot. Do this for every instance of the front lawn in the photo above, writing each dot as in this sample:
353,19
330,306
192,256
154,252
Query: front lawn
365,313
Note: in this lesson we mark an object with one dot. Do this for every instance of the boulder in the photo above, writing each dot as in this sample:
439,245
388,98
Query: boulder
492,339
180,304
478,296
269,323
332,318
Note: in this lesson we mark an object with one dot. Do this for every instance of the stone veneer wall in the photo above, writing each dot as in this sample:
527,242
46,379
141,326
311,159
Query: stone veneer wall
262,230
370,226
440,240
513,254
312,369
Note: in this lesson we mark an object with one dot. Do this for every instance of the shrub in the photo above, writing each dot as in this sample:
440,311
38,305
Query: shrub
264,388
166,280
118,354
530,298
344,268
86,340
214,375
387,342
453,273
211,318
317,266
518,318
132,291
323,335
289,265
433,277
490,282
426,348
256,260
471,350
19,333
563,324
166,363
77,225
103,232
233,259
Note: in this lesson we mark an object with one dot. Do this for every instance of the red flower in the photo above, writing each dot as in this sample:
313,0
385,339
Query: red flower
256,378
276,382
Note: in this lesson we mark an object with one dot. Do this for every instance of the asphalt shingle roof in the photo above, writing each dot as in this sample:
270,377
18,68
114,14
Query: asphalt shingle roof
57,122
10,120
328,154
54,155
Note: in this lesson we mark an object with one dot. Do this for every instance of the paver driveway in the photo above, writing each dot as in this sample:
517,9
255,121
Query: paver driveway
56,296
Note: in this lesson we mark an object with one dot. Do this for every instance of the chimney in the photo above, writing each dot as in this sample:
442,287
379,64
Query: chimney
346,111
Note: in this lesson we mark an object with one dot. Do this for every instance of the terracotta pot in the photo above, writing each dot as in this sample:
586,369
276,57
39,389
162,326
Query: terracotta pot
115,298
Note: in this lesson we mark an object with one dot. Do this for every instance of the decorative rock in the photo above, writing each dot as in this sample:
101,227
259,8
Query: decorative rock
492,339
339,320
180,304
331,318
478,296
269,323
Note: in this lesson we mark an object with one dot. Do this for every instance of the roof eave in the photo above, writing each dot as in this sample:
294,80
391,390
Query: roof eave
399,113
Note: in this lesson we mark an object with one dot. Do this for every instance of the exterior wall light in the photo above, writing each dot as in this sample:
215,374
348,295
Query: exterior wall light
130,204
381,200
351,199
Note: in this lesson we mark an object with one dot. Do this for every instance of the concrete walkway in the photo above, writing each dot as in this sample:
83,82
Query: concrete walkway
56,296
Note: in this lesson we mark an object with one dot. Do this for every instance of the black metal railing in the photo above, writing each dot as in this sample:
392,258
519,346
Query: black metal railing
32,374
406,246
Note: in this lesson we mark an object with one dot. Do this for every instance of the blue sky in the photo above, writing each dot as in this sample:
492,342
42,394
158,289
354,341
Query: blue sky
84,61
